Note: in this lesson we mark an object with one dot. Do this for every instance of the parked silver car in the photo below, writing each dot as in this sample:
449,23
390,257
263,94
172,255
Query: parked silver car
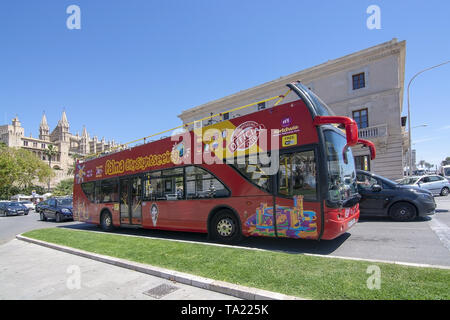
436,184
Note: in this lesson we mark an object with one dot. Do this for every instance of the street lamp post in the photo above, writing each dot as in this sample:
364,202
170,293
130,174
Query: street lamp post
409,154
409,112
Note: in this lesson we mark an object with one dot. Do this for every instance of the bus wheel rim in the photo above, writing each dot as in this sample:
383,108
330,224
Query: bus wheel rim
225,227
107,220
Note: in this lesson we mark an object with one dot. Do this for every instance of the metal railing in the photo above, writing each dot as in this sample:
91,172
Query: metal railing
373,132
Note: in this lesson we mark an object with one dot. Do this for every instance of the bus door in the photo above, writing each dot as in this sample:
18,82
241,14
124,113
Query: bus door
131,201
297,205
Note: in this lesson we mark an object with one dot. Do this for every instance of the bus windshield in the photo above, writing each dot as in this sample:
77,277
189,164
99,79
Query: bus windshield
341,176
447,171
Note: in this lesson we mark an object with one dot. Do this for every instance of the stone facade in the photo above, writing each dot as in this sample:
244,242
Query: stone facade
67,144
367,85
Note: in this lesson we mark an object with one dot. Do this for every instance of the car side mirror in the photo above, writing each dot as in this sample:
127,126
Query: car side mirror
376,188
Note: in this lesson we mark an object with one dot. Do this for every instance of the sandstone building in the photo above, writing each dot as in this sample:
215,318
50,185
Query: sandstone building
367,86
68,145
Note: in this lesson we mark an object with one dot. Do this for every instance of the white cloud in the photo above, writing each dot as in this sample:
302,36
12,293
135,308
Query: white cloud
444,128
425,140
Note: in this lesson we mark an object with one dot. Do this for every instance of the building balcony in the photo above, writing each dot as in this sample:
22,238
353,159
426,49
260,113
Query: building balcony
373,132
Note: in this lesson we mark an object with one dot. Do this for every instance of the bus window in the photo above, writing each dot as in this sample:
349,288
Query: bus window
254,171
89,190
200,184
165,185
109,191
297,175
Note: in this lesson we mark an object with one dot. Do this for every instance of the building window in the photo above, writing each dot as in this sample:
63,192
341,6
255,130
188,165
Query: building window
226,116
361,117
34,144
358,81
362,163
25,143
43,145
261,106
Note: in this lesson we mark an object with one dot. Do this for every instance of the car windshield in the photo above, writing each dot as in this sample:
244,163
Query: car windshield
410,180
65,202
341,176
14,204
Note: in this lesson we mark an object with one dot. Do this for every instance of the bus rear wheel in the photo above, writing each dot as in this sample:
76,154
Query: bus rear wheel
225,227
106,222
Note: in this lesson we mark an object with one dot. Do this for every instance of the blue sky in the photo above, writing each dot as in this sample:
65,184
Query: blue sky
135,65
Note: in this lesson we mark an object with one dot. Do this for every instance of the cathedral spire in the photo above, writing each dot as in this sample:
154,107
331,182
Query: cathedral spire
44,124
63,120
44,129
84,133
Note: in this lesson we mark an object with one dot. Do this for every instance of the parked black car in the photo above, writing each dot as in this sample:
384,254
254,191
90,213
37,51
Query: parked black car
40,205
13,208
383,197
59,209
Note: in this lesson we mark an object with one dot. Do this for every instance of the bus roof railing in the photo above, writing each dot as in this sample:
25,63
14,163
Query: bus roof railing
124,146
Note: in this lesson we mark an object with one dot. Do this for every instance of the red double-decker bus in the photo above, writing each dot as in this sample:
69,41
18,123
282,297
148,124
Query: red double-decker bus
283,171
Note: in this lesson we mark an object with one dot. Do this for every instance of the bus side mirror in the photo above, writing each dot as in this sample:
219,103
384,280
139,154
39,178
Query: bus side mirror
351,128
371,147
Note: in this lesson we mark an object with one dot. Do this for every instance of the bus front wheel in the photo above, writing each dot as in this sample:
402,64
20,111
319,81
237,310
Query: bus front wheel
225,227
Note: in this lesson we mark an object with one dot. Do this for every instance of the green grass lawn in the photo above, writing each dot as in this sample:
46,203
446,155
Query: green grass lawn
291,274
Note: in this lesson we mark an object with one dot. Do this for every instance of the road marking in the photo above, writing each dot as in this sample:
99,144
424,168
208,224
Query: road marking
441,230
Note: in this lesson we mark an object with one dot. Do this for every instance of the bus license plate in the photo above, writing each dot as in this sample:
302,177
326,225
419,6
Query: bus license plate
352,222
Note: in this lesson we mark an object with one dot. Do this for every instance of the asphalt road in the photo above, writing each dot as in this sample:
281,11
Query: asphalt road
424,241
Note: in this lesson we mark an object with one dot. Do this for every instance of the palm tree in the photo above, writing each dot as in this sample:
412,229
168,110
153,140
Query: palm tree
50,152
422,163
74,156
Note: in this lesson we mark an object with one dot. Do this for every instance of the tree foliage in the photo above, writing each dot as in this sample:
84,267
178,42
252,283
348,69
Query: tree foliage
19,169
64,188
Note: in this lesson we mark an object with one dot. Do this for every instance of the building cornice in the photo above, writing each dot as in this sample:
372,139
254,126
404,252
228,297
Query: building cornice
390,48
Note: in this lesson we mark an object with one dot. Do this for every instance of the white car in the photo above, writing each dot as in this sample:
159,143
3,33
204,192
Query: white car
436,184
28,204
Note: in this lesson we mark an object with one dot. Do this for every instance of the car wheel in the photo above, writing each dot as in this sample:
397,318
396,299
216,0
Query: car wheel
403,211
225,227
43,217
444,192
106,222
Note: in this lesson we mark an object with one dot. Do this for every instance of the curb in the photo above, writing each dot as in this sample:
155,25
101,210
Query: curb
242,292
